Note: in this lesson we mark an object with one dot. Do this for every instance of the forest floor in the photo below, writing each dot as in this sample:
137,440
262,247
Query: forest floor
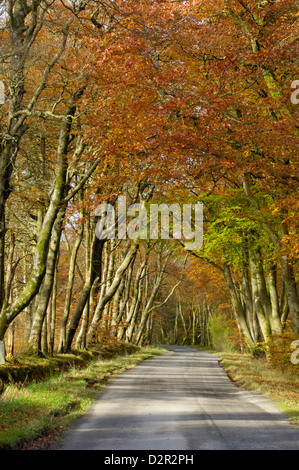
42,397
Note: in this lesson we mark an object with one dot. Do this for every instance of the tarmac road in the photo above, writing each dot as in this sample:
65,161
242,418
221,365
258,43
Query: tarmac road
182,400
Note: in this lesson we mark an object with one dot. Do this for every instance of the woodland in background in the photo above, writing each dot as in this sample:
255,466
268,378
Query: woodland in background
162,102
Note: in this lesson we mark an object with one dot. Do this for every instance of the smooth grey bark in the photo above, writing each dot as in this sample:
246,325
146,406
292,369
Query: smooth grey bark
262,307
11,340
10,140
238,307
44,336
123,306
246,320
180,313
35,337
93,275
283,305
10,311
265,298
205,312
116,305
137,339
52,321
24,23
93,328
10,267
194,324
292,295
274,299
175,328
135,306
105,320
248,302
69,287
81,337
276,236
135,301
149,304
143,192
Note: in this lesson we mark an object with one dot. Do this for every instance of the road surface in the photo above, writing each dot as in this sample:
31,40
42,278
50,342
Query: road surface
182,400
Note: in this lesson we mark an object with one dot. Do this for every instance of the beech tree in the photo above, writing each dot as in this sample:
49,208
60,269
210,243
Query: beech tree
190,99
27,25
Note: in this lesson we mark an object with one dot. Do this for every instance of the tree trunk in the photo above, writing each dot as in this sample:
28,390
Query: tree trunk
24,24
266,303
116,307
44,336
249,306
276,238
185,338
69,288
93,275
92,332
175,330
81,338
11,340
135,301
261,308
10,311
274,299
53,314
123,307
292,295
149,303
34,342
110,247
238,308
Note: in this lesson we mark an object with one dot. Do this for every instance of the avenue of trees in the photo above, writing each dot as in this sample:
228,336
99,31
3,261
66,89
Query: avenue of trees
174,102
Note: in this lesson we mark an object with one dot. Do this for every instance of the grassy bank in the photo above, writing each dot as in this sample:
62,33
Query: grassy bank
33,415
256,374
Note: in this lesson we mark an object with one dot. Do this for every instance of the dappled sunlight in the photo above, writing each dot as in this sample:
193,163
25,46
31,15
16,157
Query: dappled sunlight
185,400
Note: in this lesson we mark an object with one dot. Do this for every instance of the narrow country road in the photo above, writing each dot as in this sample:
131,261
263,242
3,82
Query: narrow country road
182,400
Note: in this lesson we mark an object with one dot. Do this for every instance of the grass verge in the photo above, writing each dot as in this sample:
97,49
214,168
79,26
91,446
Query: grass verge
34,415
256,374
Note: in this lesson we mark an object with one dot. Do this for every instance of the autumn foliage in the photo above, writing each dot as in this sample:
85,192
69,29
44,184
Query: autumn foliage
161,101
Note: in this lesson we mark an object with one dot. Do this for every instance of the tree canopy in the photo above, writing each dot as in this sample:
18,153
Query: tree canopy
164,103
